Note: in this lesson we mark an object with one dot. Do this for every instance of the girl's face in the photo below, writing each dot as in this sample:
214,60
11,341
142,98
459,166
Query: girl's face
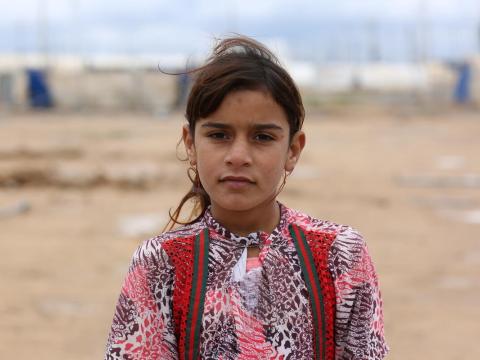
242,150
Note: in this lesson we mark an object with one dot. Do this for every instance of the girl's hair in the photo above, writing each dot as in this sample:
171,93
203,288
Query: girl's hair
236,63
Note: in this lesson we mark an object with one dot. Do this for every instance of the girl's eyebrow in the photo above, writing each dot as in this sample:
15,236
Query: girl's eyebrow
268,127
218,125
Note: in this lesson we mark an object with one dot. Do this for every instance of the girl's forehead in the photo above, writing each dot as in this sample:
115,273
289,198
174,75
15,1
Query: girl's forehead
248,98
247,108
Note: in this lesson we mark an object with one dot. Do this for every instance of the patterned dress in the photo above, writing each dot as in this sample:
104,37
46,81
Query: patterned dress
190,293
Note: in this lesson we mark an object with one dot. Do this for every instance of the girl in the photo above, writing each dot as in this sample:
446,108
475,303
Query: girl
248,277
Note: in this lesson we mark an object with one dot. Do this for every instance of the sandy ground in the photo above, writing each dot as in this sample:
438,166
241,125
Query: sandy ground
410,184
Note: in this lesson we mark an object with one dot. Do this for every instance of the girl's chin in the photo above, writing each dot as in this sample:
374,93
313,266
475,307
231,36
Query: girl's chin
240,205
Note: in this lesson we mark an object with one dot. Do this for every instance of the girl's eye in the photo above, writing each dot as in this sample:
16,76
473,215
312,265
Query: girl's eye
218,135
263,137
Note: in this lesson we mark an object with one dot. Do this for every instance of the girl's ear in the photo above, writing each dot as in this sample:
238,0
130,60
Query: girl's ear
296,146
187,138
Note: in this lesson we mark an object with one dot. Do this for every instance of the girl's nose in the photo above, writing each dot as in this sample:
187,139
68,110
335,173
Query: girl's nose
239,153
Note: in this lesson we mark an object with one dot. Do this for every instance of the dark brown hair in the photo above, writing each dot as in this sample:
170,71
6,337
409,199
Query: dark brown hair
236,63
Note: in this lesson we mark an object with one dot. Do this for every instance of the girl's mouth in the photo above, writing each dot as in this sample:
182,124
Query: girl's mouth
236,178
236,182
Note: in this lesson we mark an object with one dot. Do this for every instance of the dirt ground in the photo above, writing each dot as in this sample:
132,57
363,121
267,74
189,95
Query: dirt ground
78,193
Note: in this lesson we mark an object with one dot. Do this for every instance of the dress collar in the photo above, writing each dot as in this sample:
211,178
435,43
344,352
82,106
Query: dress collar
253,239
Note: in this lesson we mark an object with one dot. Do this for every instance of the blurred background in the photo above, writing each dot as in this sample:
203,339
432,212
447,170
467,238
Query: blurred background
89,164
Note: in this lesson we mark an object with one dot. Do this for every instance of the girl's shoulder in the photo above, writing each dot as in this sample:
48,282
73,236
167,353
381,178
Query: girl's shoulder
346,239
154,247
313,224
347,249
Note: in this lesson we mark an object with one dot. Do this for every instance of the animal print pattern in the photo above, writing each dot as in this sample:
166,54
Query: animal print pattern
278,325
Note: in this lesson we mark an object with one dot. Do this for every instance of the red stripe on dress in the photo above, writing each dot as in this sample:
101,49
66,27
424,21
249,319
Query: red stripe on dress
198,289
313,284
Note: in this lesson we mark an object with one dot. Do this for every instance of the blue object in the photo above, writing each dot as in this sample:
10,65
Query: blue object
39,94
462,89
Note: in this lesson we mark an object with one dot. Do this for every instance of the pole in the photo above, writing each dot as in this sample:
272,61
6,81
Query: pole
423,30
42,30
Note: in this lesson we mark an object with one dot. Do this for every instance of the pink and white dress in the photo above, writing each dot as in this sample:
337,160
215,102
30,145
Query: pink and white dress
192,293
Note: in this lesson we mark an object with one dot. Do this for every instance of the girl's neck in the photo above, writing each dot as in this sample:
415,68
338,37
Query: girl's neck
262,218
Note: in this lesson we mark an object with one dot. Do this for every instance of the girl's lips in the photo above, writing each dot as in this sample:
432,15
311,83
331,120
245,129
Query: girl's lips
236,179
236,182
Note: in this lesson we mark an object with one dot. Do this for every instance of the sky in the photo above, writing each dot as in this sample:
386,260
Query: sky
352,30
